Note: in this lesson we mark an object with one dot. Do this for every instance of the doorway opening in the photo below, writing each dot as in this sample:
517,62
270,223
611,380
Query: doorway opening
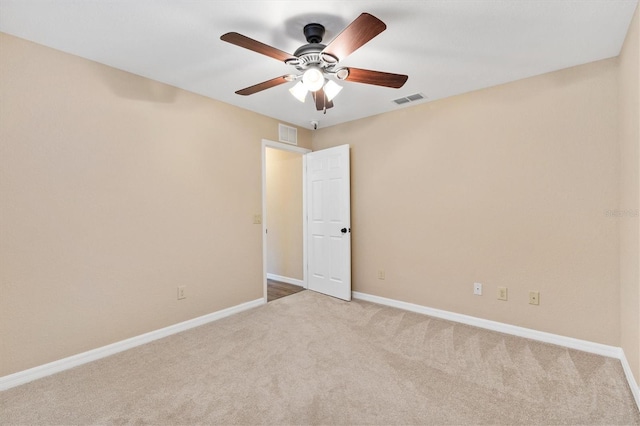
283,224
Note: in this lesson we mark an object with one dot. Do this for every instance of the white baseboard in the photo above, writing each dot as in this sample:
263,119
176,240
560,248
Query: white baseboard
569,342
633,384
31,374
287,280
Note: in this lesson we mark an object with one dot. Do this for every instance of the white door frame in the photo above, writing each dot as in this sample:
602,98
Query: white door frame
291,148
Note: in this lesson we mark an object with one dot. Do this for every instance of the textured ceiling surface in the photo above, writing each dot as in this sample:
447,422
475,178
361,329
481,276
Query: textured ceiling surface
447,47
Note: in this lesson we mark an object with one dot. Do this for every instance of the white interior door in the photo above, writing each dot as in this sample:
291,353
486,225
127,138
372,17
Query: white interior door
329,221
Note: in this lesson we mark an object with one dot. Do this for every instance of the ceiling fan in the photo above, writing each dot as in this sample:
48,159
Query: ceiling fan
316,61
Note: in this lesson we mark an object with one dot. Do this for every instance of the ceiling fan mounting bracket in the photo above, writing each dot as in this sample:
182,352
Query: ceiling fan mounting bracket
313,33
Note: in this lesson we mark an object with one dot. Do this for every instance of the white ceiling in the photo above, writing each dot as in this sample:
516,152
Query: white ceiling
447,47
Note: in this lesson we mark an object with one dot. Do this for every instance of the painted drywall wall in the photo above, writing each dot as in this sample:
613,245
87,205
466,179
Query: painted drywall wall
627,211
115,190
284,213
506,186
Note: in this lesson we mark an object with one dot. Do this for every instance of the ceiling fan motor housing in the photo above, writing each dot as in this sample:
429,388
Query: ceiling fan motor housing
307,55
311,54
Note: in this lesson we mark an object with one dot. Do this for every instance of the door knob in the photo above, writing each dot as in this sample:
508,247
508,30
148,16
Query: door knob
343,230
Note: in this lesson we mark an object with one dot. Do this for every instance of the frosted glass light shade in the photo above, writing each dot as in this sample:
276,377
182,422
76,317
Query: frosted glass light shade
331,89
299,91
313,79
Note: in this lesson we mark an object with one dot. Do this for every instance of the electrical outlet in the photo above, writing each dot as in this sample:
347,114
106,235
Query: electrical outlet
534,297
257,219
182,292
477,289
381,274
502,293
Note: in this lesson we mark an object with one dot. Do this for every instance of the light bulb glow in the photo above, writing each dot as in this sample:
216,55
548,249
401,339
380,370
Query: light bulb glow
331,89
299,91
313,79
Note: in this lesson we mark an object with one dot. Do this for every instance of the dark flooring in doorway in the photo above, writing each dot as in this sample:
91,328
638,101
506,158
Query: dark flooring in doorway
277,289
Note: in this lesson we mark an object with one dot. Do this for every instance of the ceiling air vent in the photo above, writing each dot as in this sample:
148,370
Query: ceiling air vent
410,98
287,134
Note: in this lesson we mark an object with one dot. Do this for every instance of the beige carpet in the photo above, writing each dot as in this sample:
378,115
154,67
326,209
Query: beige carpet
312,359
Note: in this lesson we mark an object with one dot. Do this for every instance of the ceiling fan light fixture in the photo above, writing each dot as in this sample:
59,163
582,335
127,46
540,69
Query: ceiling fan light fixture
331,89
313,79
299,91
342,73
329,59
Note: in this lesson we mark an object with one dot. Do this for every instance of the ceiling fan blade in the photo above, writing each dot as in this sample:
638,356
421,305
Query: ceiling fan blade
320,98
378,78
256,46
263,86
357,34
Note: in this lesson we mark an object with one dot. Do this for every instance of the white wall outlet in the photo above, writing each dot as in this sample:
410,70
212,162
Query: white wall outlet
502,293
534,297
182,292
381,274
477,289
257,219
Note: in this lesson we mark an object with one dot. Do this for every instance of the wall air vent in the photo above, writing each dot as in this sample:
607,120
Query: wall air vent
287,134
410,98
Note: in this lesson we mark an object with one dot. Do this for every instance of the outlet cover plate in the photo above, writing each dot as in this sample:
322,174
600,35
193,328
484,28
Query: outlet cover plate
502,293
477,289
534,297
182,292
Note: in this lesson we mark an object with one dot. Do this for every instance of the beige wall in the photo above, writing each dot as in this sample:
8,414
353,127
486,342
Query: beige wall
284,213
114,190
506,186
629,132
